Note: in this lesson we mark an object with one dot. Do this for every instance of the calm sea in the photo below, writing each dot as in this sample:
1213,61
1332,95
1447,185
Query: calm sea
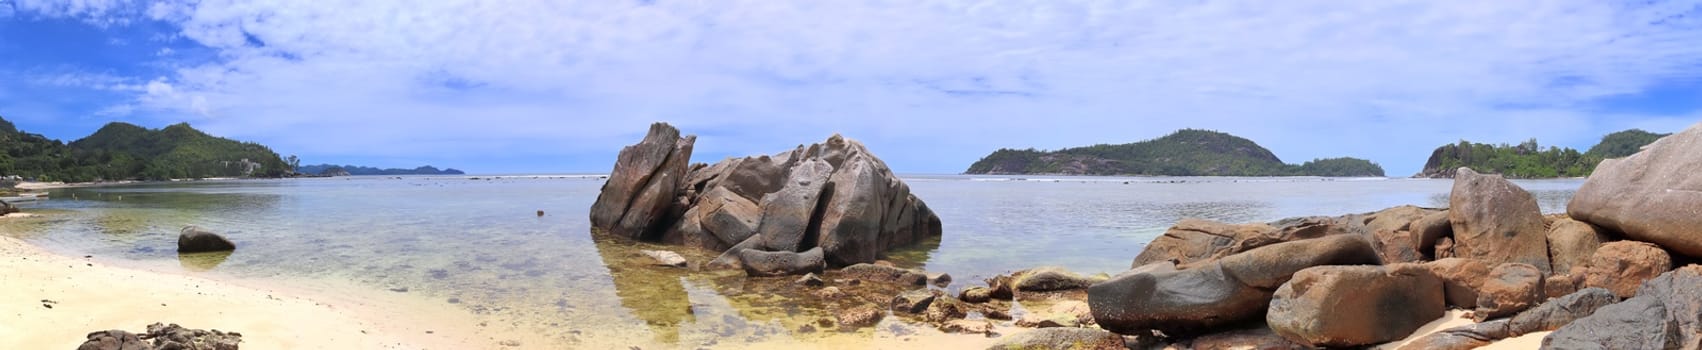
477,242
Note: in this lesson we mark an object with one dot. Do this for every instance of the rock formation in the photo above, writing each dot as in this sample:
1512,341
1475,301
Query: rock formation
194,239
1496,221
834,195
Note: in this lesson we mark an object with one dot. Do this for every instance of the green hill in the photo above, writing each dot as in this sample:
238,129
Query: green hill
1529,161
1187,152
121,151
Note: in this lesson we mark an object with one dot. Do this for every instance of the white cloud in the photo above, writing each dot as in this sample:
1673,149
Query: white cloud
931,85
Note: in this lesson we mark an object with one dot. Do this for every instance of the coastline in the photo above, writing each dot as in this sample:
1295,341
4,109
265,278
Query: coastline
53,301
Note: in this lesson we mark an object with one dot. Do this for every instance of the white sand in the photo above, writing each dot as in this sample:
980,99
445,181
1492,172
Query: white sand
87,296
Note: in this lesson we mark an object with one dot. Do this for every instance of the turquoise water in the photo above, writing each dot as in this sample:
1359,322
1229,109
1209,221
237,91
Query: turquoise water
476,241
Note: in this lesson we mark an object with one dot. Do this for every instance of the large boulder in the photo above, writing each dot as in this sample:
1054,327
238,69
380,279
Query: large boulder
719,220
1344,306
1496,221
1461,279
1510,288
194,239
766,263
1050,278
1061,338
1665,314
1215,293
1394,235
1571,242
1650,196
642,187
1623,266
787,214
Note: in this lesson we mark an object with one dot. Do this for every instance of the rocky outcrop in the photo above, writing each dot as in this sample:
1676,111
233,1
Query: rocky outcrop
1061,338
1496,221
1665,314
1343,306
114,340
1232,289
1510,288
834,195
194,239
1623,266
1572,242
641,189
163,337
1546,317
1192,240
1650,196
1398,234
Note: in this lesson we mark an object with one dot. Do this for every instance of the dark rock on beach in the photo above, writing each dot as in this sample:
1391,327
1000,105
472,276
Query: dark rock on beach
1233,289
1665,314
194,239
163,337
114,340
1641,195
1546,317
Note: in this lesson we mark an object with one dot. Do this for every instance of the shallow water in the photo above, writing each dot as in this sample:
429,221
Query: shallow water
477,242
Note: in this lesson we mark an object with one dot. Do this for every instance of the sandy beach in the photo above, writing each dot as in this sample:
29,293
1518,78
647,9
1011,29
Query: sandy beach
52,302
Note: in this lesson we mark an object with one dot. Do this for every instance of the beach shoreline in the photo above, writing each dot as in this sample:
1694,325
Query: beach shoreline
54,301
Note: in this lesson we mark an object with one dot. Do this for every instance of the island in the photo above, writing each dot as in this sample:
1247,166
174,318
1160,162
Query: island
1187,152
1528,160
348,170
123,151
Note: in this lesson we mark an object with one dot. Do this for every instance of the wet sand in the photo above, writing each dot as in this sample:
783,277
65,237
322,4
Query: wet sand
49,301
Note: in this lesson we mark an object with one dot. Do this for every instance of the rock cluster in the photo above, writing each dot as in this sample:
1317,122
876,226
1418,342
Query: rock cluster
832,201
1365,279
163,337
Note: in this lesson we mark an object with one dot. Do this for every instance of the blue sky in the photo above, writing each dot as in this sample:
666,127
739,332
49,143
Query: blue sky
930,86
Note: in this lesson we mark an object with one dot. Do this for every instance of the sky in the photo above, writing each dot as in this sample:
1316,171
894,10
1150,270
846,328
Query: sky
928,86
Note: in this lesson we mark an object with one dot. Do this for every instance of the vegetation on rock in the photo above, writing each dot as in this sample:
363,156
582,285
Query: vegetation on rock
328,169
1528,160
1188,152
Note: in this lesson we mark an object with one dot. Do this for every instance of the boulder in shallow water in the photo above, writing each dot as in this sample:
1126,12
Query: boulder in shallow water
664,258
1061,338
643,184
1650,196
1496,221
1051,278
194,239
762,263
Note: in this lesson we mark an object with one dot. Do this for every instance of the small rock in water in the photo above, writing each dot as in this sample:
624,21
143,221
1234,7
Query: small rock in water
665,258
540,213
939,279
810,280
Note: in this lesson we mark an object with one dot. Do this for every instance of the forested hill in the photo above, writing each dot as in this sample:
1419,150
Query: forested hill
1188,152
328,169
121,151
1530,161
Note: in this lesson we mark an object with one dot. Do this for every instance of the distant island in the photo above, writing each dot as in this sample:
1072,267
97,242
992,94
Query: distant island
1187,152
122,151
1527,160
347,170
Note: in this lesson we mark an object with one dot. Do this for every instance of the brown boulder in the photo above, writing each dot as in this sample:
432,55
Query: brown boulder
1192,240
1557,285
1429,231
1571,242
1215,293
1051,278
1342,306
859,317
1510,288
643,185
1623,266
1650,196
1461,279
1393,233
1665,314
1496,221
945,308
914,302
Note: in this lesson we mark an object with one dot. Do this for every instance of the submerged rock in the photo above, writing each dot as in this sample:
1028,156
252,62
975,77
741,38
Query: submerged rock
665,258
1051,278
194,239
885,274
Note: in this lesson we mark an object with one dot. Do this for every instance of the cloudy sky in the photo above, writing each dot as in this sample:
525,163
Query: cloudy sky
930,86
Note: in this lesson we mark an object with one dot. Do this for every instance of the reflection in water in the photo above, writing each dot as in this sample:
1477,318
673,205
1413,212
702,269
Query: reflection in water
202,261
652,293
